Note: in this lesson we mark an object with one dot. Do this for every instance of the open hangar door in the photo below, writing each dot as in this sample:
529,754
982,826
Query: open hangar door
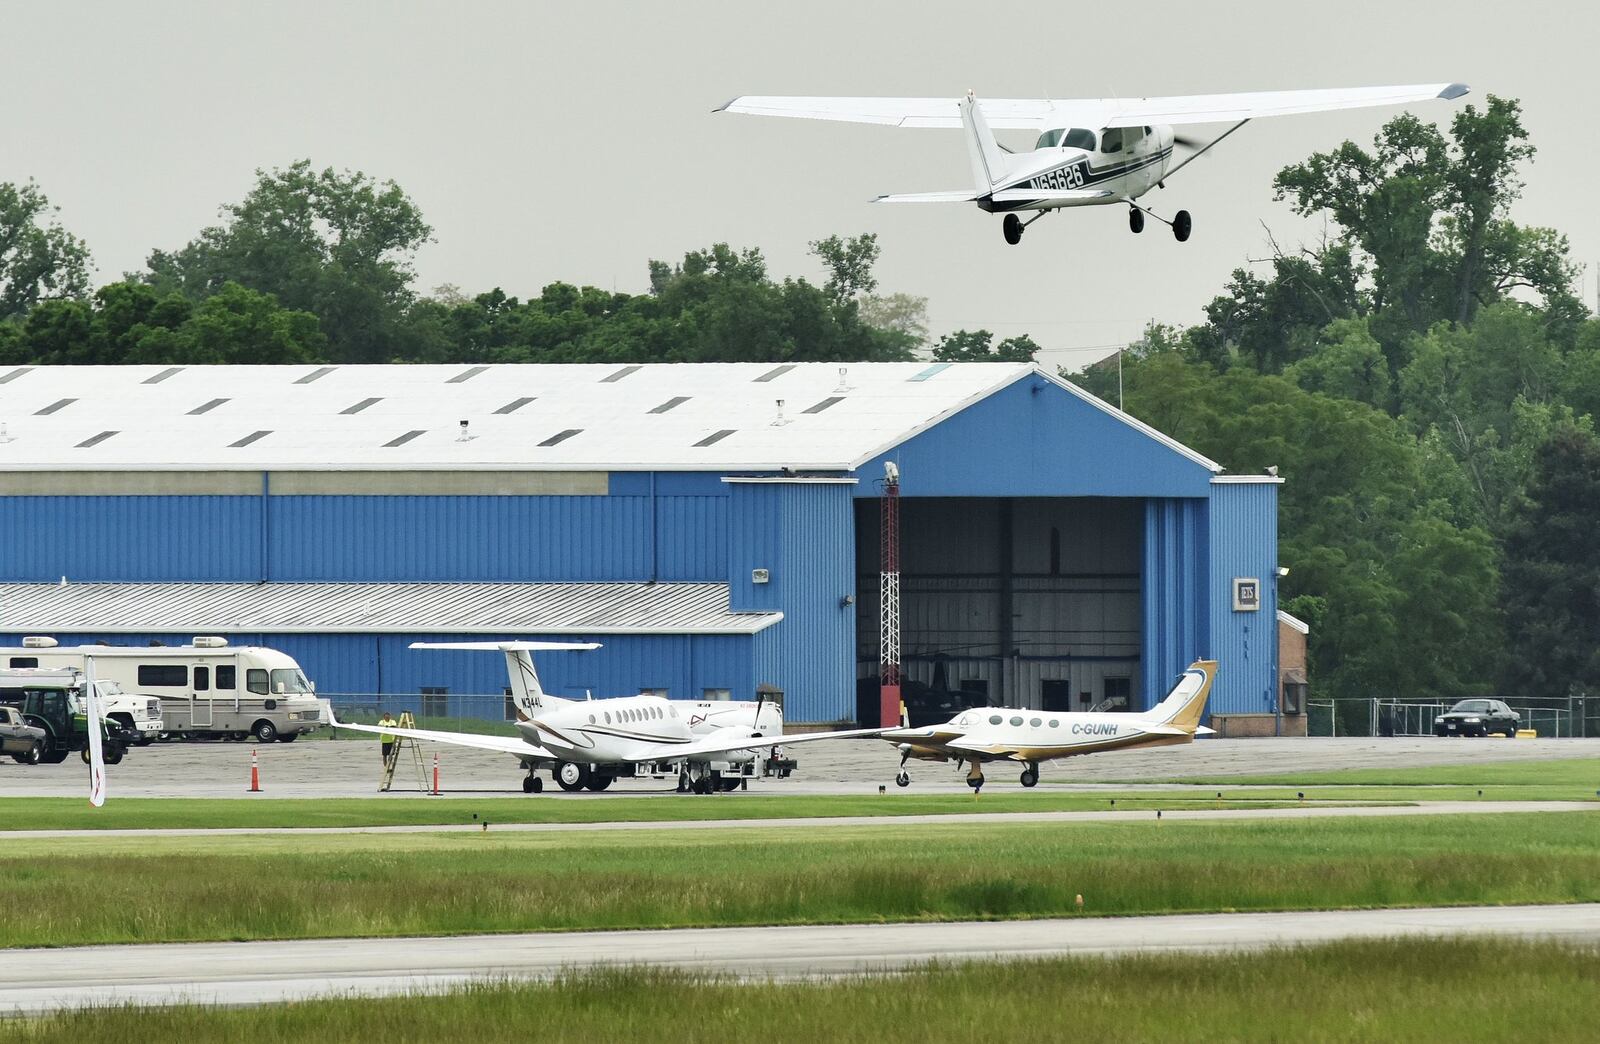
1021,601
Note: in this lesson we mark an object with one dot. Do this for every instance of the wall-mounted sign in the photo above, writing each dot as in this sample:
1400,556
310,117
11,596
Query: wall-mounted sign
1246,594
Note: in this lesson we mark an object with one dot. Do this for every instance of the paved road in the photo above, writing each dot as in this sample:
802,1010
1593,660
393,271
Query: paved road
319,768
250,973
1311,811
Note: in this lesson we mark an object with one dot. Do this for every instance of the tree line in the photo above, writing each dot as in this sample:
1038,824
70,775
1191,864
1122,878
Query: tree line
1423,376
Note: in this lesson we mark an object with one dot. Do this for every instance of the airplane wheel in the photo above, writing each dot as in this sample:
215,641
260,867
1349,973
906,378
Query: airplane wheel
597,782
1135,220
903,779
1030,777
730,784
532,784
1012,227
975,782
571,777
1181,226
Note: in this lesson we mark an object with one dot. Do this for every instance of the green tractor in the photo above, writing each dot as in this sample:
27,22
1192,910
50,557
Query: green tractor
53,701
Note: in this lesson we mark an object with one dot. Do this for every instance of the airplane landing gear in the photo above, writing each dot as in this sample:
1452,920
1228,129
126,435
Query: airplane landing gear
975,778
1012,227
902,778
532,784
1135,220
1030,775
1181,226
570,776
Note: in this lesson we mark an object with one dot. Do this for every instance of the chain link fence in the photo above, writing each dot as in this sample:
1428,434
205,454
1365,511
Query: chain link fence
1551,717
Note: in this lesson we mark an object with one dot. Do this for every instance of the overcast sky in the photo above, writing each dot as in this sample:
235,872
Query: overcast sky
575,141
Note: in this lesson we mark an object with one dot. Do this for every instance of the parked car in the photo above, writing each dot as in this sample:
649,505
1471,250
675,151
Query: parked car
1477,718
24,742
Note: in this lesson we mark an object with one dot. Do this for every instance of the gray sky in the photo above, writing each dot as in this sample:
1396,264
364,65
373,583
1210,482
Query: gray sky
575,141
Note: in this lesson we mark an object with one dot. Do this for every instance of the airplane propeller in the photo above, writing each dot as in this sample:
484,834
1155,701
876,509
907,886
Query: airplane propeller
1186,141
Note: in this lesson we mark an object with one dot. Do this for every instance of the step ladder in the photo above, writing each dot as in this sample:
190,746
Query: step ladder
396,752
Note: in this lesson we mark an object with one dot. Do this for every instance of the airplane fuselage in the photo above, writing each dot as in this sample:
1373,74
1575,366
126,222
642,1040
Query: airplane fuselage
1013,734
1136,164
610,731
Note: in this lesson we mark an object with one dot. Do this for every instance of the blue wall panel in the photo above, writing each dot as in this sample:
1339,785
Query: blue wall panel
378,539
1173,593
1244,543
129,539
803,534
1034,438
691,538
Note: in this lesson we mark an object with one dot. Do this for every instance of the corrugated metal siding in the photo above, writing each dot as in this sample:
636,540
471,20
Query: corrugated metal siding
390,539
685,665
1036,439
1244,543
691,538
130,538
803,534
1173,593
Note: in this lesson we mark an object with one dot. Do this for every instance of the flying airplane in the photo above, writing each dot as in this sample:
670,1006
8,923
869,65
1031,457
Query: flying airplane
589,743
1090,151
1028,736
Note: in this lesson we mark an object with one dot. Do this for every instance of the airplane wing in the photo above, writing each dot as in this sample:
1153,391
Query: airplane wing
502,744
1045,114
714,744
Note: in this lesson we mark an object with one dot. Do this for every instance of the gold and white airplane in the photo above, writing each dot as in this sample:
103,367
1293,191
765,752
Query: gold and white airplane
986,734
589,743
1090,151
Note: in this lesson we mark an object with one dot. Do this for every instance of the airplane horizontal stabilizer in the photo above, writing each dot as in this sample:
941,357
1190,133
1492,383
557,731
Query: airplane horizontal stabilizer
1201,730
957,196
1050,195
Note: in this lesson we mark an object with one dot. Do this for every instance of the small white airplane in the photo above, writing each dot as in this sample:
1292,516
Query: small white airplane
1090,152
589,743
986,734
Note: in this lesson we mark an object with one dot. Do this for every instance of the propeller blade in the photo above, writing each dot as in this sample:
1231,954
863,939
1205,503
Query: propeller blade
1186,141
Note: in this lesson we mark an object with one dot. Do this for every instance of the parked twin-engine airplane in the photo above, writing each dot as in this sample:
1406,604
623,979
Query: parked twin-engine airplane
1090,152
589,743
1029,736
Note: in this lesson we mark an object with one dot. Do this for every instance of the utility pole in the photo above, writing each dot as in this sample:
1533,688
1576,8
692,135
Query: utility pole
889,598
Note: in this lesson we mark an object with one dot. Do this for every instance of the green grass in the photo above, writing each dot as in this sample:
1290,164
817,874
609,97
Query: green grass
267,813
1405,990
95,889
1581,774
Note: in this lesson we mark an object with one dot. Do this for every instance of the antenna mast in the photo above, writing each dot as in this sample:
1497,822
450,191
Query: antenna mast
889,598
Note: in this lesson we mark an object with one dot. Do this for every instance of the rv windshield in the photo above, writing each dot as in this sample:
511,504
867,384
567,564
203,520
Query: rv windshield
290,680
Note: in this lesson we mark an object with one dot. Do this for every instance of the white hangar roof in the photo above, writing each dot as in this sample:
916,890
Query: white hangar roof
656,416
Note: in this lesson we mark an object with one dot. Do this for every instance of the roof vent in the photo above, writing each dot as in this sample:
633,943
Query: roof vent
465,435
778,421
844,381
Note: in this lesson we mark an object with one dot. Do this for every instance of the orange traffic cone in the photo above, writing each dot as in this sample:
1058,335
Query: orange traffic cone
255,774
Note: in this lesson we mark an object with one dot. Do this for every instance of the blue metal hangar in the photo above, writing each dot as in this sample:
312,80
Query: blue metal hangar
715,526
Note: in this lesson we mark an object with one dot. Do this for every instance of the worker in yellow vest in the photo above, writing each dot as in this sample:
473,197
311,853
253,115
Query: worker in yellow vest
386,739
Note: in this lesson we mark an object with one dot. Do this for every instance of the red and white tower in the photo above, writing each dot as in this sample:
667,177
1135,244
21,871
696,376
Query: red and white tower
889,598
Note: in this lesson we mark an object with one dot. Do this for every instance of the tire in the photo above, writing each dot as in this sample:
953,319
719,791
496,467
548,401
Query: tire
55,757
532,784
903,779
264,731
598,782
1030,777
731,784
570,776
288,737
32,756
113,755
1135,221
1511,732
238,736
1182,225
1012,228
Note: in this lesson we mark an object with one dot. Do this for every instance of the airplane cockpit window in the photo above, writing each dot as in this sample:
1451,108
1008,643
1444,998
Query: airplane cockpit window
1049,139
1132,136
994,719
1079,138
1111,140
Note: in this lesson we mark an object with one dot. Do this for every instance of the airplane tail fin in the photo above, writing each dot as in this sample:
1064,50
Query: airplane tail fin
527,695
989,164
1186,703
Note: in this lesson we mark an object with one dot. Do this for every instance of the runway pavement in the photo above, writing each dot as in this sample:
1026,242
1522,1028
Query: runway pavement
349,768
1308,811
259,972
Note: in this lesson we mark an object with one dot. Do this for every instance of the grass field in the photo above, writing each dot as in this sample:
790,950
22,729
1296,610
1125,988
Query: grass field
1412,991
96,889
1579,773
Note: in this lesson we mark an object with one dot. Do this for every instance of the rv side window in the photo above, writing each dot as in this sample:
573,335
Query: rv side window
24,661
202,679
225,679
255,680
168,674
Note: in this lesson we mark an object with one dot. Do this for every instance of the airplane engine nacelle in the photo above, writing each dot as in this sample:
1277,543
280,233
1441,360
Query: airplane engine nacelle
921,753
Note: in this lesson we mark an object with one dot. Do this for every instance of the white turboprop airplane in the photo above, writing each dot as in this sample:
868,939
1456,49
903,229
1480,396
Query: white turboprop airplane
588,743
1090,152
1029,736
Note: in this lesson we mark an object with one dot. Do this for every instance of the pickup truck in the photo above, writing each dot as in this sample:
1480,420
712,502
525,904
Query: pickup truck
24,742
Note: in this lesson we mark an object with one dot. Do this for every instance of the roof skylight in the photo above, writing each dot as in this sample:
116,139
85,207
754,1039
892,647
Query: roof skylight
672,403
824,404
254,436
95,440
358,407
466,375
774,374
401,440
515,404
54,406
14,374
615,377
163,375
206,407
316,375
716,437
560,436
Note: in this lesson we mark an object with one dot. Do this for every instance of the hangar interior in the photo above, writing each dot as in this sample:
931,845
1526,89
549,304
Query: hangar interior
1023,601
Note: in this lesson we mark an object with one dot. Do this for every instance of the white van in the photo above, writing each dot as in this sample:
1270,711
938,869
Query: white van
206,689
141,714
